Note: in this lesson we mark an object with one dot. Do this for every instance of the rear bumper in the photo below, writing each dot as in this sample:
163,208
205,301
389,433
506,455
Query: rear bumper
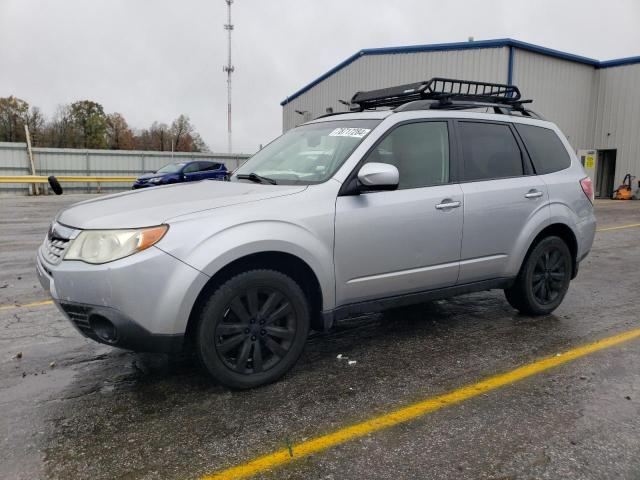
585,233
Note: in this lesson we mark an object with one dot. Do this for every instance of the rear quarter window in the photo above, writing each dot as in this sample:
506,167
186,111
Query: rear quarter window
546,150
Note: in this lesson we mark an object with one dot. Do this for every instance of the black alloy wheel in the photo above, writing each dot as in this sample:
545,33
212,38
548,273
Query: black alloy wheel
549,275
544,278
257,330
253,328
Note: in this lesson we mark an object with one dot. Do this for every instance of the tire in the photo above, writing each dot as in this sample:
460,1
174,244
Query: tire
544,278
253,329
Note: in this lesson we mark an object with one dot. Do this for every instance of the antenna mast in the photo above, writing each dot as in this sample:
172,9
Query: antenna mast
229,69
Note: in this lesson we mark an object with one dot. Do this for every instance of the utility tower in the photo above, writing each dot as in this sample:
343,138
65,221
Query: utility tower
228,68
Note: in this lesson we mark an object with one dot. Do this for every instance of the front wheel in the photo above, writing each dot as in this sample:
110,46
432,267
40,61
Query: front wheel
253,328
543,280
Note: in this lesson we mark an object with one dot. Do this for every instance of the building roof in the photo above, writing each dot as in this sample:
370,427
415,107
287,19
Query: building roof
439,47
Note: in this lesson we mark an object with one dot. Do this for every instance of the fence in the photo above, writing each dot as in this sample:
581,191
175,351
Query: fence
14,160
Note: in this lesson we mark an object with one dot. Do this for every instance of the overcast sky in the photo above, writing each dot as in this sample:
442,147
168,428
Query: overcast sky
155,59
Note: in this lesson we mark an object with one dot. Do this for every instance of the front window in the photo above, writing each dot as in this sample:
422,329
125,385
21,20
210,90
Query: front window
420,152
308,154
171,168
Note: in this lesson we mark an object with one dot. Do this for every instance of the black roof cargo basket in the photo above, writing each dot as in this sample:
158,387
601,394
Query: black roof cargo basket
444,93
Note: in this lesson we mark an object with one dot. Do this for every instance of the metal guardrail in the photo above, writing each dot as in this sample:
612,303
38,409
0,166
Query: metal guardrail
64,178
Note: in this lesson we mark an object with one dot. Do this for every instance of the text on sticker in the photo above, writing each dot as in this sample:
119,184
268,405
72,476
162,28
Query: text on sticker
350,132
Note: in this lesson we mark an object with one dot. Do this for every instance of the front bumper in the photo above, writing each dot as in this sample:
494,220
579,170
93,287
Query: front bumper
146,298
121,332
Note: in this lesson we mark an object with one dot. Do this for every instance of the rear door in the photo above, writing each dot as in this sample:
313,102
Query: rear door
501,194
212,170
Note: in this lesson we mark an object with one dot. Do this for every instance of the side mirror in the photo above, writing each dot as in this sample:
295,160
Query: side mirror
378,176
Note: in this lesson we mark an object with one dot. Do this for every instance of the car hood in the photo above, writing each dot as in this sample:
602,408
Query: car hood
147,176
148,207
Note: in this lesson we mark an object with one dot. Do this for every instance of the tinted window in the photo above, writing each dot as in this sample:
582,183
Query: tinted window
171,168
191,167
420,152
208,166
545,149
490,151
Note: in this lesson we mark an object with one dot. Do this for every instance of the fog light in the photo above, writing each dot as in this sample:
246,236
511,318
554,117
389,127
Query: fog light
103,328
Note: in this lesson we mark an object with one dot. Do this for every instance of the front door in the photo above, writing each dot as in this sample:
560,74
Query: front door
192,172
394,242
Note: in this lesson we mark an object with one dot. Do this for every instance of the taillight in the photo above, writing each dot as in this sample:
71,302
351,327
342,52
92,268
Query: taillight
587,188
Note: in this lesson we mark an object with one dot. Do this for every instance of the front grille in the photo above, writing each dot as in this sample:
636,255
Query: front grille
79,315
56,243
54,249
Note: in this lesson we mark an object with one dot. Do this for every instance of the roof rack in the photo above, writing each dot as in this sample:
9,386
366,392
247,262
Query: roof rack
444,93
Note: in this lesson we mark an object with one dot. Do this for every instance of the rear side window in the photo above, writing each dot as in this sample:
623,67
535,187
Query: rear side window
546,150
490,151
207,166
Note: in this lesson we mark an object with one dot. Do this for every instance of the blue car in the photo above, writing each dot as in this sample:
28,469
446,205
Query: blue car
183,172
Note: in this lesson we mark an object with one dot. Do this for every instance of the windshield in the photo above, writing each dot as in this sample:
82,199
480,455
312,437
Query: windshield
308,154
171,168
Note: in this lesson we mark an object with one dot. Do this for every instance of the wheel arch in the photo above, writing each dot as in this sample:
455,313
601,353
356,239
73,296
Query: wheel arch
563,231
283,262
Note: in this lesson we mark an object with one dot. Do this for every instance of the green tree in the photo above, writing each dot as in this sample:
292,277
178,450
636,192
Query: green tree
13,116
91,121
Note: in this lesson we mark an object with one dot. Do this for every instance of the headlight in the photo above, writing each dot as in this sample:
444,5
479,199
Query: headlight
155,180
102,246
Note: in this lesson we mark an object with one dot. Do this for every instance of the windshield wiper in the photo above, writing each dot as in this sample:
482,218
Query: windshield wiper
254,177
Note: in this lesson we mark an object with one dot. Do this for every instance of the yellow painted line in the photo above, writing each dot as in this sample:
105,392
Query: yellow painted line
402,415
27,305
65,178
620,227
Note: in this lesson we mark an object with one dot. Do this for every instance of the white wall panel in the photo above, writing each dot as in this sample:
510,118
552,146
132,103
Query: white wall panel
618,121
377,71
564,92
66,161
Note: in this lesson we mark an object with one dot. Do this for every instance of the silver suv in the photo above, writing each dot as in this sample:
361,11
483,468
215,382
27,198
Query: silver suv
347,214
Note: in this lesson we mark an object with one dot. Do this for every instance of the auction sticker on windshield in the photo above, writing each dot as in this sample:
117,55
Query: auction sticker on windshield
350,132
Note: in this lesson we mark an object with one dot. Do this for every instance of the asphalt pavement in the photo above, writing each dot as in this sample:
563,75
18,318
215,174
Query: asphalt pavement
71,408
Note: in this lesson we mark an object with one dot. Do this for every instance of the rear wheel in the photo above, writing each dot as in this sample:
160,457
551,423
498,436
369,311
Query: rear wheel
544,278
253,328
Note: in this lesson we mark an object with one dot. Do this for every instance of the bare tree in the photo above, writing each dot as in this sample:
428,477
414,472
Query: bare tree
35,121
160,137
180,129
60,132
119,135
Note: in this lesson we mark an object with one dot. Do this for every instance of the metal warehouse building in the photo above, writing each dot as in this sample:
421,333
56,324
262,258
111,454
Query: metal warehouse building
596,103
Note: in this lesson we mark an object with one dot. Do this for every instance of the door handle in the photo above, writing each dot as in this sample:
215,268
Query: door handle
445,205
533,194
